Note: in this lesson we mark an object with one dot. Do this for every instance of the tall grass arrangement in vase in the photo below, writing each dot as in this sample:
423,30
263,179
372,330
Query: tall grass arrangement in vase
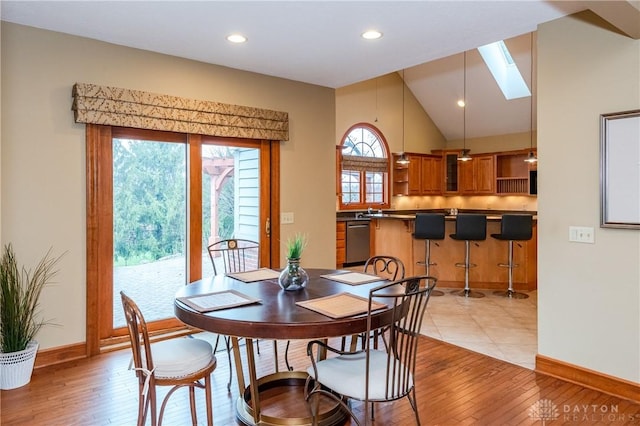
293,276
296,245
20,291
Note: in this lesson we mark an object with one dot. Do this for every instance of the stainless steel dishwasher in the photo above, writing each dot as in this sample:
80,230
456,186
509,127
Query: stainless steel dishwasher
357,241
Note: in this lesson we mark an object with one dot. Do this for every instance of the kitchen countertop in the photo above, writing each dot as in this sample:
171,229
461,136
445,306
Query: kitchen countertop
353,218
492,215
413,216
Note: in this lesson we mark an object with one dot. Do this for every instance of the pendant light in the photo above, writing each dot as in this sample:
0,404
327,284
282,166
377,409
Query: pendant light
376,119
531,158
403,159
464,155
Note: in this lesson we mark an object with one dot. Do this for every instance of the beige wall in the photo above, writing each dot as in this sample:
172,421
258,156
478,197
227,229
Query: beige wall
43,153
495,143
379,102
588,294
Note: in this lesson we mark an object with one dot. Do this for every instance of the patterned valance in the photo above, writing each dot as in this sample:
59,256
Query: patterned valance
113,106
369,164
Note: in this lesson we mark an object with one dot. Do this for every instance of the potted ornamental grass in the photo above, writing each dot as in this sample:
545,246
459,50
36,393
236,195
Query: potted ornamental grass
293,276
296,245
20,290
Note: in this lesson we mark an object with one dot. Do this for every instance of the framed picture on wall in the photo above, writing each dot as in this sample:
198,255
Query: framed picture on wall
620,170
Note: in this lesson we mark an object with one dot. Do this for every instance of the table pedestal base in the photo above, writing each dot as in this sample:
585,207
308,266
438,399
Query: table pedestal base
331,415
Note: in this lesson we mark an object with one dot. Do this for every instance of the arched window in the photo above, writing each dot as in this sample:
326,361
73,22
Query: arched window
364,169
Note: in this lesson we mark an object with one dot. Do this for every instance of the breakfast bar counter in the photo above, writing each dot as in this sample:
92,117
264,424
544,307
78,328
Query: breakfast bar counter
392,235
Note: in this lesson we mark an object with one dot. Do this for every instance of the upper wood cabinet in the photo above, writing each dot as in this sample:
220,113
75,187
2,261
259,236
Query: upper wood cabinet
513,173
477,176
466,173
451,172
500,173
422,176
400,177
415,175
431,175
485,174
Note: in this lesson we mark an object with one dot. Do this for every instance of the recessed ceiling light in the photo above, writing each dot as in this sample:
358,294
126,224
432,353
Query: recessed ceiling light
461,103
371,35
236,38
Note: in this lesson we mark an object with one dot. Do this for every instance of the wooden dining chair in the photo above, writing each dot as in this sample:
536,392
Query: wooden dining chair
372,375
179,362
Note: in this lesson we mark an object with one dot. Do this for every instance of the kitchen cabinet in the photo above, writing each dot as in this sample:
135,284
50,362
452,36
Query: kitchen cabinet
400,178
422,176
477,176
414,175
341,228
431,175
466,177
450,172
513,173
441,173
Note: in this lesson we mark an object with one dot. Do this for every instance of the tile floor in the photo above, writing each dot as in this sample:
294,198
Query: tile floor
496,326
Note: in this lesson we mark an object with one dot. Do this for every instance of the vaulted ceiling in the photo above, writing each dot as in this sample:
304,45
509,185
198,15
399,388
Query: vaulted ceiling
318,42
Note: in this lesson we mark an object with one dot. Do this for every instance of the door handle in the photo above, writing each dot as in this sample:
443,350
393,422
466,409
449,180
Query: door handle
267,227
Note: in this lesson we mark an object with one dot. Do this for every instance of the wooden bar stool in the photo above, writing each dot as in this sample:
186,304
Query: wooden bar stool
469,227
429,226
513,227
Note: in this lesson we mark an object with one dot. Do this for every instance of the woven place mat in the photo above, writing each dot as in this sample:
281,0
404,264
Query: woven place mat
218,300
262,274
340,305
353,278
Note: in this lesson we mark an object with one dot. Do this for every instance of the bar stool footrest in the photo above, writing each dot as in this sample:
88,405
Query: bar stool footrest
464,265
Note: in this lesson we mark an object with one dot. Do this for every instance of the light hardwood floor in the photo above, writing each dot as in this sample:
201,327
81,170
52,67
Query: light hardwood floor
455,386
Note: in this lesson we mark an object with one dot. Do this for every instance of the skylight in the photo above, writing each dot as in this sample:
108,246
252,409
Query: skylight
504,70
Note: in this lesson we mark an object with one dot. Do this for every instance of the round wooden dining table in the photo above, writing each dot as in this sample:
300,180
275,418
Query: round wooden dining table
275,315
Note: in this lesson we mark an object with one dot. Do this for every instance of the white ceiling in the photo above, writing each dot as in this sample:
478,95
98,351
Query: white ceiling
318,42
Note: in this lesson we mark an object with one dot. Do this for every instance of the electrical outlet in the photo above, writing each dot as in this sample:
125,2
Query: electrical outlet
581,234
286,218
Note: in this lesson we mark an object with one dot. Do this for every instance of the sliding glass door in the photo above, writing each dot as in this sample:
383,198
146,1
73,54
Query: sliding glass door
230,197
156,200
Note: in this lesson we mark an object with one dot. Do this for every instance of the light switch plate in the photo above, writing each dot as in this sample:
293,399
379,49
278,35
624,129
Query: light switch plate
286,218
581,234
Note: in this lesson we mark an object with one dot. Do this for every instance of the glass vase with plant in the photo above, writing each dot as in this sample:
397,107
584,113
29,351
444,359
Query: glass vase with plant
293,276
